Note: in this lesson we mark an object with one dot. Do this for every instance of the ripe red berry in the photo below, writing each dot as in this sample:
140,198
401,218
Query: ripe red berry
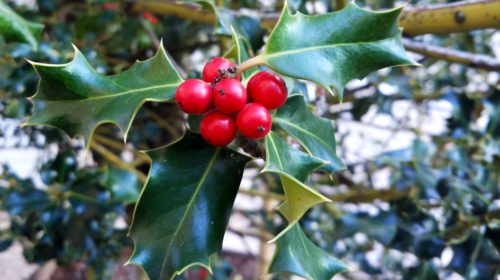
268,89
229,96
218,129
217,68
194,96
254,121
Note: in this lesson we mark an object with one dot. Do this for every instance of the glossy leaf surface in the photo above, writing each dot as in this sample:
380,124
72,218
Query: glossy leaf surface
296,254
183,211
76,99
347,44
315,134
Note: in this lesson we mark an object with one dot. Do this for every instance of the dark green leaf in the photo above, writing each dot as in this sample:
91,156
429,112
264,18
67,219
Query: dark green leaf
15,28
296,254
183,211
124,185
315,134
334,48
75,98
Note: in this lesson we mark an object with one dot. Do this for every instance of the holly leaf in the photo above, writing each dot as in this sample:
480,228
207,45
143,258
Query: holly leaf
348,44
296,254
315,134
76,99
240,53
15,28
183,211
123,185
282,158
294,167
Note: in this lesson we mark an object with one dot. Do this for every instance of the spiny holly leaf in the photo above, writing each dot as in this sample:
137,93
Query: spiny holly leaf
294,167
315,134
15,28
76,99
296,254
183,211
332,49
239,53
282,158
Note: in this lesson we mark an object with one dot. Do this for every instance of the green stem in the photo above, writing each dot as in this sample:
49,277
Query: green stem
247,64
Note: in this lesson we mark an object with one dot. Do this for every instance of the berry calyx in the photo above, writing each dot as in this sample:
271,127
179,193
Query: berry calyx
194,96
229,96
268,89
217,69
254,121
218,129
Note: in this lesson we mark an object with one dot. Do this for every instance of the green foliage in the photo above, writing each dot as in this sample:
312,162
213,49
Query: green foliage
184,209
361,42
76,99
15,28
296,254
316,135
73,217
453,173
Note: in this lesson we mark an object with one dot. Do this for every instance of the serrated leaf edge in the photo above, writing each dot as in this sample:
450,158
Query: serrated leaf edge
123,131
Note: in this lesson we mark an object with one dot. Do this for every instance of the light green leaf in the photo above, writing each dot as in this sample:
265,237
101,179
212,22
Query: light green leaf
282,158
294,167
184,208
315,134
296,254
239,53
15,28
333,48
76,99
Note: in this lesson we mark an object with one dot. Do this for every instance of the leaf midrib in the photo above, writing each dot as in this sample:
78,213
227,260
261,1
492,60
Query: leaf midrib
329,46
115,94
189,205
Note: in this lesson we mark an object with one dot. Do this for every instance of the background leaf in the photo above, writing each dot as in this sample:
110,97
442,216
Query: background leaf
183,211
15,28
347,44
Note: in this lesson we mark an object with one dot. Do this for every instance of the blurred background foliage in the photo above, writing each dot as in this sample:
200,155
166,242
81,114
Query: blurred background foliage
420,198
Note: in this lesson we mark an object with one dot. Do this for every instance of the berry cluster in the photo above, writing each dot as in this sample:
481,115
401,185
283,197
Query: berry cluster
224,100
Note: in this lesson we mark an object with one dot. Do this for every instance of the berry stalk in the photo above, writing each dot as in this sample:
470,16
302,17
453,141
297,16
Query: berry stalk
249,63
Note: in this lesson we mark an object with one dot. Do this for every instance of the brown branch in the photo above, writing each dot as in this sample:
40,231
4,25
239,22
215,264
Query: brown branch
472,60
116,161
461,16
434,19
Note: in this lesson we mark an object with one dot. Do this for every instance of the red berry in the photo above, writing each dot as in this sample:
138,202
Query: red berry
194,96
217,68
268,89
218,129
254,121
149,16
229,96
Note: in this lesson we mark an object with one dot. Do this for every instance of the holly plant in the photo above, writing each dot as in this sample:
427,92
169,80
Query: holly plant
183,211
